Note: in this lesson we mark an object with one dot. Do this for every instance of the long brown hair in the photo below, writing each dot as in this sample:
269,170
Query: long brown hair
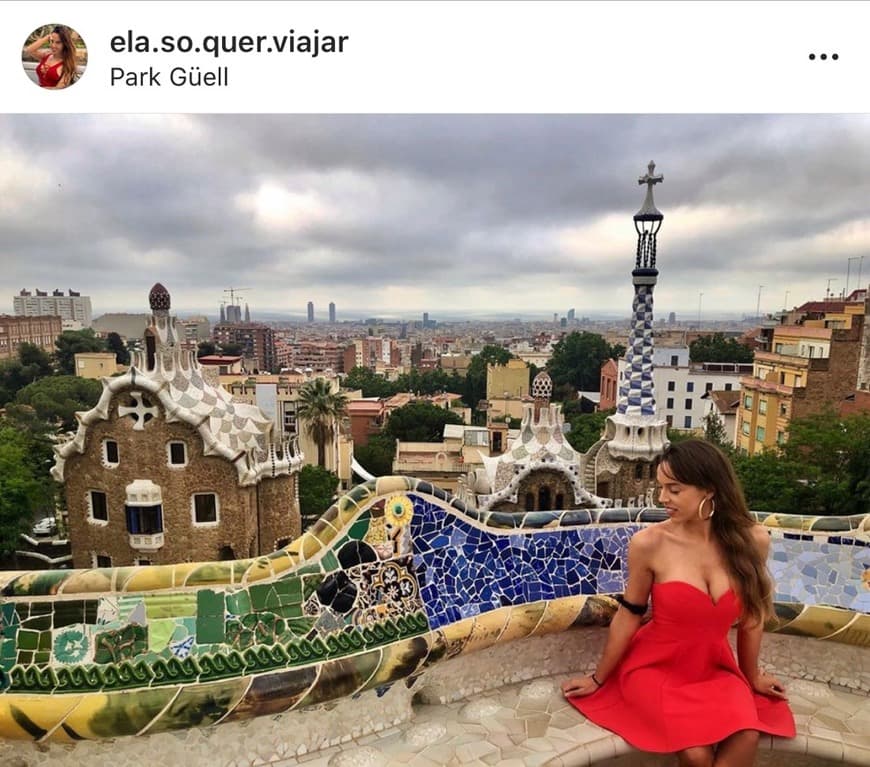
68,55
700,463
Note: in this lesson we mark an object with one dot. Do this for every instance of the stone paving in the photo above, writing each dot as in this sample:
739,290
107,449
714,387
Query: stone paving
530,725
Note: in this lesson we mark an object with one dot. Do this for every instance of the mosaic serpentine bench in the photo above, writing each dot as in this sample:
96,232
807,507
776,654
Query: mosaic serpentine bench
395,579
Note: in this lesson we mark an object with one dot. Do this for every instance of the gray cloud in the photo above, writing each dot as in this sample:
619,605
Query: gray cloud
401,214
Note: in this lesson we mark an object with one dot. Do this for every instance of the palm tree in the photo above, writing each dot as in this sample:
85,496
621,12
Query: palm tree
319,409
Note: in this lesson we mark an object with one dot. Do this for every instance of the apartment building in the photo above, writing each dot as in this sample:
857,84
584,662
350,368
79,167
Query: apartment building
680,384
802,370
39,331
74,309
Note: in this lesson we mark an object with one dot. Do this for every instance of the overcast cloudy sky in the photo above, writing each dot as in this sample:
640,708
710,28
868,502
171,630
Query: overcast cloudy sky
395,215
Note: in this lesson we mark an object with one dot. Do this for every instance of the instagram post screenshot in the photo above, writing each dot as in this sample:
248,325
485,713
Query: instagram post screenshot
429,384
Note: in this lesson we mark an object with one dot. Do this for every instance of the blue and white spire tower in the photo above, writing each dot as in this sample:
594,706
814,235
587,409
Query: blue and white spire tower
635,432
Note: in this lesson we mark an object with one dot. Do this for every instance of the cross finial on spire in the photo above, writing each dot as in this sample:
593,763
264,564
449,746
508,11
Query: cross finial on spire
648,211
651,178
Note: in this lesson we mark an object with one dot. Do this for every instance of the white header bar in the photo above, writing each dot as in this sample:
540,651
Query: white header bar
369,57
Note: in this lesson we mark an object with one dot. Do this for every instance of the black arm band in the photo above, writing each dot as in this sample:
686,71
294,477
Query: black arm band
631,606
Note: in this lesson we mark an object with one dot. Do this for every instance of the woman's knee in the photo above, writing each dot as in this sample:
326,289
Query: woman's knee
702,756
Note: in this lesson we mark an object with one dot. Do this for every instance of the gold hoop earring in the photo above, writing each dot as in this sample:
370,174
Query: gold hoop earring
701,508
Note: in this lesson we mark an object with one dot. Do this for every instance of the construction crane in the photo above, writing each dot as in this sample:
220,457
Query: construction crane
232,292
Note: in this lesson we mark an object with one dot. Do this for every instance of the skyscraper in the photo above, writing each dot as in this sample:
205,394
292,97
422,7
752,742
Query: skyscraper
311,311
332,312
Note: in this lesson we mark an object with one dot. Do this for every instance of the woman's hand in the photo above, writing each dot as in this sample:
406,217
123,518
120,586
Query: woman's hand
767,684
577,688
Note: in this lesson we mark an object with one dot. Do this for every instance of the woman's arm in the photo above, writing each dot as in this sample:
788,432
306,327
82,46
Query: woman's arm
31,49
624,623
749,639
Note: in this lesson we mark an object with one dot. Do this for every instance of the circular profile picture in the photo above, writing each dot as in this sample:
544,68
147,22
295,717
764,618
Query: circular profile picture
54,56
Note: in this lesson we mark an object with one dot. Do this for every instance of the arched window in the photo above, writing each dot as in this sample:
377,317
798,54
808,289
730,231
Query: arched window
530,502
544,499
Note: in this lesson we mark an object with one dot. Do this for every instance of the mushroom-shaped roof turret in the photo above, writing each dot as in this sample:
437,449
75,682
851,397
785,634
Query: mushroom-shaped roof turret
159,298
542,386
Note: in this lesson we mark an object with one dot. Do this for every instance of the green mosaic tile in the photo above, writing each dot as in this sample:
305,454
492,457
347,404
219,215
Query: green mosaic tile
8,653
120,644
22,610
210,628
209,604
44,640
273,599
358,529
329,562
42,657
313,568
67,613
41,608
300,626
28,640
310,584
38,623
171,605
259,592
239,603
289,591
25,658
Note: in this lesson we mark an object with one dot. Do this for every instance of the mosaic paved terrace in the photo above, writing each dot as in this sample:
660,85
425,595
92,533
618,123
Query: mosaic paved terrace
392,583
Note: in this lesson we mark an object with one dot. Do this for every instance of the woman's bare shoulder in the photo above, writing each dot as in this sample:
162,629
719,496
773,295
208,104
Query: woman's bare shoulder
646,540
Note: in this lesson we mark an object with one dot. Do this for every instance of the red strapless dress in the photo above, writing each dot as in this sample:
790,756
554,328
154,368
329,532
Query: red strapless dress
678,684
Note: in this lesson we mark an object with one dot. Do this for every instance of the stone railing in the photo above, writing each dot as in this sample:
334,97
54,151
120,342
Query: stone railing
395,580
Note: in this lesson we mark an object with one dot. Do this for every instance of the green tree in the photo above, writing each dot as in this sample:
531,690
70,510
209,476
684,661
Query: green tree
586,429
716,348
57,398
714,431
319,410
205,349
24,490
72,342
317,488
232,349
834,454
371,384
377,456
114,343
419,421
32,363
576,361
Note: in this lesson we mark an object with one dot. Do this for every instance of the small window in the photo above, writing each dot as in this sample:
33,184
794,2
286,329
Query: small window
177,453
708,386
205,509
783,409
688,403
142,562
780,438
687,422
759,433
746,428
98,506
670,420
747,402
762,407
110,452
675,360
672,385
102,560
690,386
669,403
727,387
